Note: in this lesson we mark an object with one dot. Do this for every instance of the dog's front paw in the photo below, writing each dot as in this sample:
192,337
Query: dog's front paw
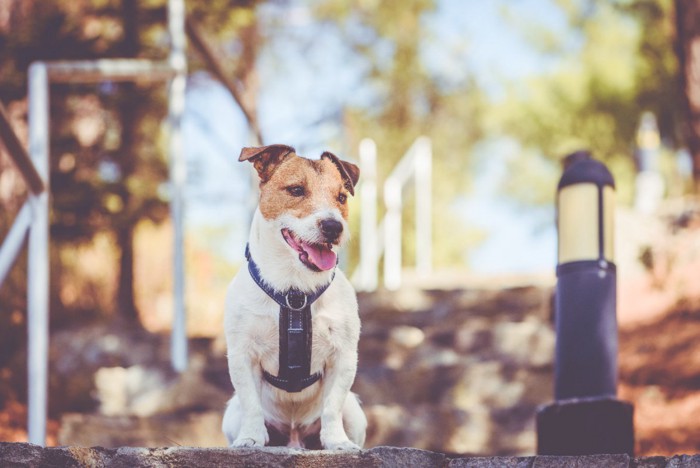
252,438
340,444
247,442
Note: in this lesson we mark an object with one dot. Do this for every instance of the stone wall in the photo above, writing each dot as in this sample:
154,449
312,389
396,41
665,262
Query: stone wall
455,371
472,365
27,455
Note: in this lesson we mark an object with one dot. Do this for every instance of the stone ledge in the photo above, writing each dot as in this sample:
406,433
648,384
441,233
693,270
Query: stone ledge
28,455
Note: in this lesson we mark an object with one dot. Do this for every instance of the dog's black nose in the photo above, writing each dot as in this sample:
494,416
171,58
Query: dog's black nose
331,229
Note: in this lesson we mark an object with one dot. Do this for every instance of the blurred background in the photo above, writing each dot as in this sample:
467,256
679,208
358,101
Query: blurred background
457,360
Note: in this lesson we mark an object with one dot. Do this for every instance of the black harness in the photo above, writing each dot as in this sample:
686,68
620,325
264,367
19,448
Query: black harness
295,333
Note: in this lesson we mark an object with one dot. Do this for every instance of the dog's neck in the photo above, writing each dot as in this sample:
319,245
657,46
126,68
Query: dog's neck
279,266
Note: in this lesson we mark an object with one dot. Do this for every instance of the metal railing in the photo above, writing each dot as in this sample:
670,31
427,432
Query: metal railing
385,238
15,238
32,221
33,217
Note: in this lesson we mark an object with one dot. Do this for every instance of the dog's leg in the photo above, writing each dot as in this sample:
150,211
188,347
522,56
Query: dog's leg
338,380
354,420
231,424
246,378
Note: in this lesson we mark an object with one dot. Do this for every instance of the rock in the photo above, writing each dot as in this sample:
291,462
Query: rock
121,370
28,455
471,365
583,461
200,429
146,391
491,462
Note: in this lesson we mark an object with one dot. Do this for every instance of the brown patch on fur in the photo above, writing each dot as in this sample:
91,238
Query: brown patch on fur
322,182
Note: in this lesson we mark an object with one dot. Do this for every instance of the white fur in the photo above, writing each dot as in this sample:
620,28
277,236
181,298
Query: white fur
251,328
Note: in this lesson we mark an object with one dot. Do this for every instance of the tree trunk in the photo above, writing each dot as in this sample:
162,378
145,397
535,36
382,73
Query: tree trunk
126,306
125,225
688,50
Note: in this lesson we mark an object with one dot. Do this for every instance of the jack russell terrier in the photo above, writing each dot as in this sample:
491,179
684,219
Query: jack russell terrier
291,319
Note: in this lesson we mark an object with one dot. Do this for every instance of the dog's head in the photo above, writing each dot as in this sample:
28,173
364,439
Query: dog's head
305,200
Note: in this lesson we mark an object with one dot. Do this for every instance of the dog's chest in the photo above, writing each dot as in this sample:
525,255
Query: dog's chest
266,338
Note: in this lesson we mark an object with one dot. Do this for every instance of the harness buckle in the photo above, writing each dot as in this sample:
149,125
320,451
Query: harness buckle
296,300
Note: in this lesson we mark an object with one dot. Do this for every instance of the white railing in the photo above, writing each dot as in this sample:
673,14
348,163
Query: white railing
33,217
16,235
31,222
367,277
386,237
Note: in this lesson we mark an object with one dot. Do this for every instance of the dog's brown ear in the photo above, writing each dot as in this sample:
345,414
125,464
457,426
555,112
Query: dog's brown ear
348,171
265,159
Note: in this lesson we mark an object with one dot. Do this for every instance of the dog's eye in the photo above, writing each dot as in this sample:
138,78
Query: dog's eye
296,191
342,198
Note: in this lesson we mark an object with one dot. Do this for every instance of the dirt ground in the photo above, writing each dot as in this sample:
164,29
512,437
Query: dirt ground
660,373
13,424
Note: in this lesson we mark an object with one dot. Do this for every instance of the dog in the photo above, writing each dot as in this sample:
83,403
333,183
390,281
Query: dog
291,318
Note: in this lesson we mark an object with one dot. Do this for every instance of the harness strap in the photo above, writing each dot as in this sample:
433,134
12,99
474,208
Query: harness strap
295,333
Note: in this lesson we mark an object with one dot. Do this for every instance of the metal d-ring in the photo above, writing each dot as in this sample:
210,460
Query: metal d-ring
295,294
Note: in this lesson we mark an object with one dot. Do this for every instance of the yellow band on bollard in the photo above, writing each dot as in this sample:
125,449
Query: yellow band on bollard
579,220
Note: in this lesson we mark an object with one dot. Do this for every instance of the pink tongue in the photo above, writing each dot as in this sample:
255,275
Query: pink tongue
323,258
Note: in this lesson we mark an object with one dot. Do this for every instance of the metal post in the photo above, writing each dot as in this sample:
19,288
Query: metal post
178,171
38,264
392,234
369,262
15,239
38,200
424,224
586,364
98,71
586,417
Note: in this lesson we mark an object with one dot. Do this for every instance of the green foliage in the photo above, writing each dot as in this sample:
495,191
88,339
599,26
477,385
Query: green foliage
223,18
616,61
624,66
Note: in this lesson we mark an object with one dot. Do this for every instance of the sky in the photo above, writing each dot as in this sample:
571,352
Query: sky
490,36
300,102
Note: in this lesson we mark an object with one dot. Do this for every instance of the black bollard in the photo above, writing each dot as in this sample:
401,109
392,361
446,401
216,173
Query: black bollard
586,417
